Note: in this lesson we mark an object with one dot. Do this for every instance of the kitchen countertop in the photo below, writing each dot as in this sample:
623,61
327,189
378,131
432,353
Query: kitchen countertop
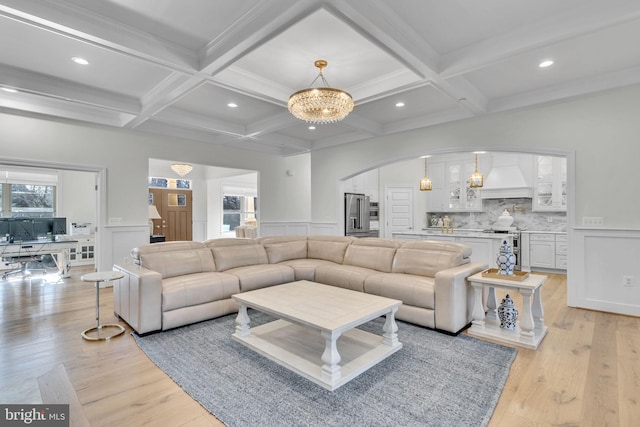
457,232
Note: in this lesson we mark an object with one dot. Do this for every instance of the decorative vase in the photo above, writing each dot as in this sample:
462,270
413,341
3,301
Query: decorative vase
506,260
508,314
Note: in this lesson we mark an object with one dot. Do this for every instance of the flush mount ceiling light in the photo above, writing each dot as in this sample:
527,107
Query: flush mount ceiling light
425,183
321,104
546,63
181,169
476,180
80,61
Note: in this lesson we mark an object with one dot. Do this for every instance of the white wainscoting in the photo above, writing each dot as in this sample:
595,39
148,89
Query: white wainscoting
599,261
278,228
117,241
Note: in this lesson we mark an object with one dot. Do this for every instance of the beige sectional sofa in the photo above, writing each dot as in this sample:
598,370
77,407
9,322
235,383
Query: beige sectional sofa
172,284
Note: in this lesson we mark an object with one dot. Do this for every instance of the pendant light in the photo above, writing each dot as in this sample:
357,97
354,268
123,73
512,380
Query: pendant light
425,183
181,169
476,180
321,104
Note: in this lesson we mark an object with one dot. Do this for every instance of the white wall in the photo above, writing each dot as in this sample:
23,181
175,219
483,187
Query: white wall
122,157
77,197
598,134
601,129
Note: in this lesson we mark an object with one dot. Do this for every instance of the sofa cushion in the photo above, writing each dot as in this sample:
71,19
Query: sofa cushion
178,263
439,246
417,291
305,269
284,251
424,262
373,257
330,248
343,276
199,288
260,276
179,245
228,241
228,257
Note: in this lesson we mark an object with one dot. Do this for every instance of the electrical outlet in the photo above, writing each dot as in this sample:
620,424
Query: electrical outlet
592,221
628,281
549,219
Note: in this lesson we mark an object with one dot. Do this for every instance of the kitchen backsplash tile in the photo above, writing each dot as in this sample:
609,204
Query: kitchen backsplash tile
492,208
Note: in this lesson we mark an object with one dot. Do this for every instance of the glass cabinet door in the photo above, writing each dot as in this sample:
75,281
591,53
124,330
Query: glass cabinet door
550,186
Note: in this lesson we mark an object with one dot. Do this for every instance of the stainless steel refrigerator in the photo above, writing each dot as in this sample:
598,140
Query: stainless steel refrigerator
356,215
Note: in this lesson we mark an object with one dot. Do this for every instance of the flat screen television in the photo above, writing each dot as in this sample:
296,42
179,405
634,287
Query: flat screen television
42,227
59,226
4,227
22,229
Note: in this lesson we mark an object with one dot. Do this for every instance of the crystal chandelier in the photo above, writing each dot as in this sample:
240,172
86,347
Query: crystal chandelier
476,180
181,168
321,104
425,183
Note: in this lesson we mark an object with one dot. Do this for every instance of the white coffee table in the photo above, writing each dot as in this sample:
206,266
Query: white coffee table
315,335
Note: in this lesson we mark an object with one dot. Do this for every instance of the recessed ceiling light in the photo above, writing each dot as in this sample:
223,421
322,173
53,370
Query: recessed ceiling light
8,89
312,128
232,105
400,104
545,63
80,61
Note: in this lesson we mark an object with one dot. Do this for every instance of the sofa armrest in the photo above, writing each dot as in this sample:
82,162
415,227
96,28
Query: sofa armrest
137,297
454,296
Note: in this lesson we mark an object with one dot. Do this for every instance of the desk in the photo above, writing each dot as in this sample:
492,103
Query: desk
530,329
101,276
58,248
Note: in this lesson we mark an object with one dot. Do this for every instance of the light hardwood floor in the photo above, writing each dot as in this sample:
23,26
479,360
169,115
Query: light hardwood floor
586,372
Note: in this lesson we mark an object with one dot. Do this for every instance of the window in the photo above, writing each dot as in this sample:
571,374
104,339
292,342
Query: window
27,200
237,210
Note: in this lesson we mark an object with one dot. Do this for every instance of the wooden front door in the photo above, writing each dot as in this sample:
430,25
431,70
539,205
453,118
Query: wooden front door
175,208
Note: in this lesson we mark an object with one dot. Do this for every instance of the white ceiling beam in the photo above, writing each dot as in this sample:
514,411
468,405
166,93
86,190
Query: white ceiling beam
197,121
87,27
575,23
566,90
182,132
44,85
263,22
61,108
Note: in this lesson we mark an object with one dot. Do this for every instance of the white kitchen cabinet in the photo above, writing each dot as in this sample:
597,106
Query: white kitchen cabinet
84,252
460,197
482,249
451,192
548,250
436,201
561,251
365,183
550,184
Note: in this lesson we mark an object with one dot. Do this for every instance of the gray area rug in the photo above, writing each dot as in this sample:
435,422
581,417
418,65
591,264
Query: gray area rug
434,380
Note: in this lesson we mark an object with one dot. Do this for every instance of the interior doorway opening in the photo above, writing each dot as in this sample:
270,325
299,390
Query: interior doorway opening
223,200
58,210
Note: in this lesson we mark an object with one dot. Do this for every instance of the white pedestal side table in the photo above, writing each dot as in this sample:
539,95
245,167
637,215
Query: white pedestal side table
530,329
109,330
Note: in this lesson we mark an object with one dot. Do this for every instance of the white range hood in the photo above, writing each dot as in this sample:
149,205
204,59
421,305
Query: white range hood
506,180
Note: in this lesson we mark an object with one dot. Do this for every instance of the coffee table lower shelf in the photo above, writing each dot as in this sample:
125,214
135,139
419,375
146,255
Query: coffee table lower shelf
300,349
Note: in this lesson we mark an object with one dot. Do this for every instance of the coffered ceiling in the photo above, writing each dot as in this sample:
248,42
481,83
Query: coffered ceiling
172,67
